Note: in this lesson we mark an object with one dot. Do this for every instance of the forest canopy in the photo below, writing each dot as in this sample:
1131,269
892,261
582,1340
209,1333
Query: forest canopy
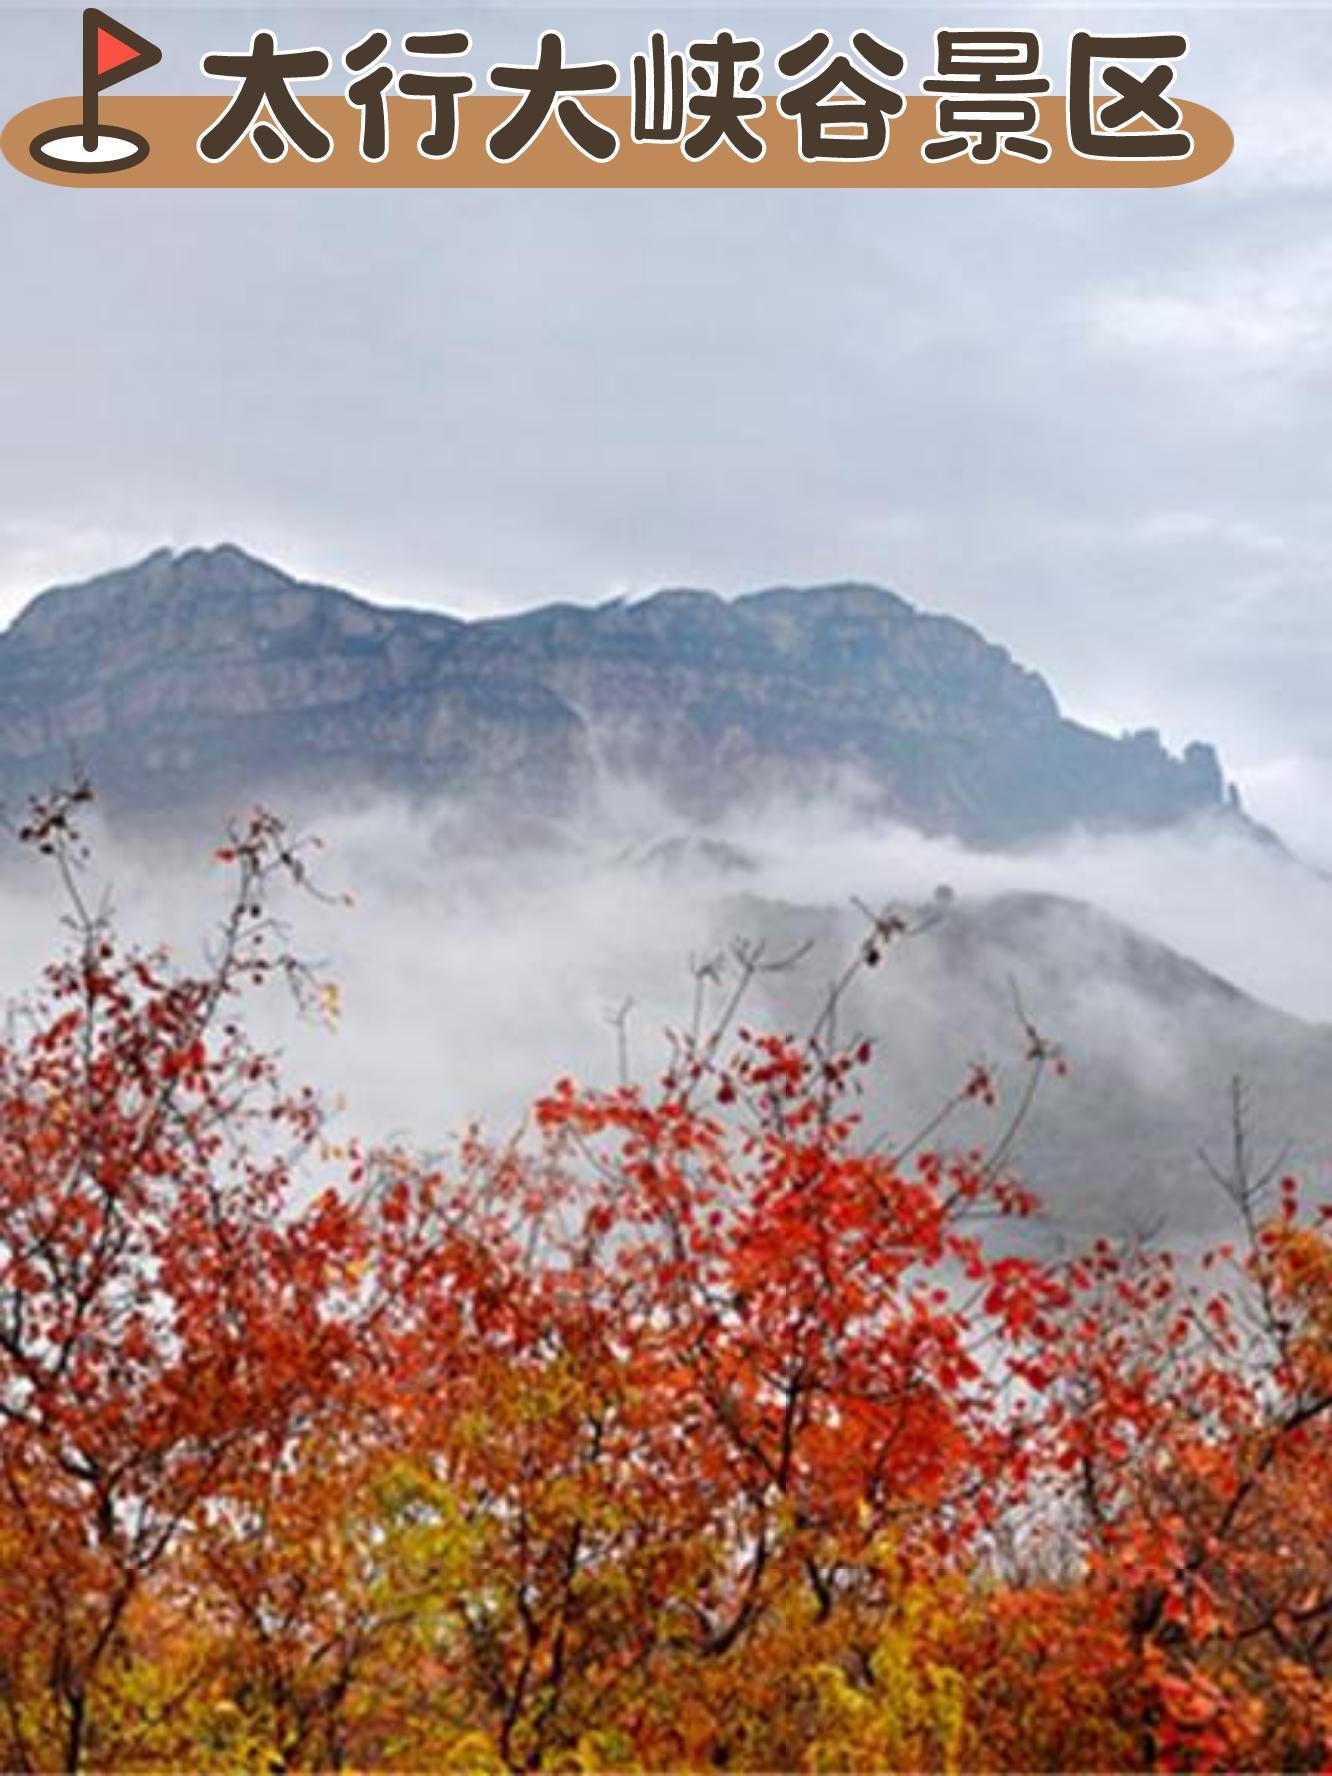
703,1426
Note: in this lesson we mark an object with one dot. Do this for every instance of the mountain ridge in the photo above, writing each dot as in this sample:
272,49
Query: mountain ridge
191,677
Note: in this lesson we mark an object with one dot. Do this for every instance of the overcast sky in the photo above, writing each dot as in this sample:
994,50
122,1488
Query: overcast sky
1095,424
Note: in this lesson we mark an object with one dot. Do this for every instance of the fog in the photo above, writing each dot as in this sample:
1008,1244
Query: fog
472,978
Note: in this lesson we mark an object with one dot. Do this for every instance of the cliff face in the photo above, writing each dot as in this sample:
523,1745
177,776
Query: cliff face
203,679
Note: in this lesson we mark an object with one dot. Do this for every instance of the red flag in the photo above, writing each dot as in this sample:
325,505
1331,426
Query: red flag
111,51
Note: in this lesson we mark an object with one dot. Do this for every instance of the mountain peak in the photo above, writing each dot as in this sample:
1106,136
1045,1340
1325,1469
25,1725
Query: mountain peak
227,563
851,598
78,612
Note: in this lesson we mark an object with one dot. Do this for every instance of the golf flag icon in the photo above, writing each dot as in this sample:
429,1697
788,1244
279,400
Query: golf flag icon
111,52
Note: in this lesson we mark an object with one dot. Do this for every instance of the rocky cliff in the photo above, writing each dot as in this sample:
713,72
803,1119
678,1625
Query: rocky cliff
196,680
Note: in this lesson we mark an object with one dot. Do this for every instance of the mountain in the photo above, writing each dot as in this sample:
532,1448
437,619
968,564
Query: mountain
191,681
1153,1044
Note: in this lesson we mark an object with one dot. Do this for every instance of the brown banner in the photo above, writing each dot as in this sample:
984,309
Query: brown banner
172,127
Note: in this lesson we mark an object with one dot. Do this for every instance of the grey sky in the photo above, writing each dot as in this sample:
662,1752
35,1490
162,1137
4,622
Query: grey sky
1095,424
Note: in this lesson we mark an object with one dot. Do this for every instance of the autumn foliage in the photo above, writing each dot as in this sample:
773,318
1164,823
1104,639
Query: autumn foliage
699,1429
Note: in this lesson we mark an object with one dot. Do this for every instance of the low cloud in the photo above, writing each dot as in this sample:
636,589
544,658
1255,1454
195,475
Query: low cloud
472,978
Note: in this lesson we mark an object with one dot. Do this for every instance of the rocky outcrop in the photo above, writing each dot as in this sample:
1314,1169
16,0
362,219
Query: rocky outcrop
200,679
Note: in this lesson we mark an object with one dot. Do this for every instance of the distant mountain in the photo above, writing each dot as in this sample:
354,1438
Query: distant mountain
193,681
1153,1041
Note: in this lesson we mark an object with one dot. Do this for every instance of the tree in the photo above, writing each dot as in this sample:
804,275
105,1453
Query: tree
161,1307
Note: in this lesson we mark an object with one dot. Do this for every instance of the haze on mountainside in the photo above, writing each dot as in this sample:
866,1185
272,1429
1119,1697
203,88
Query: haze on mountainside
546,815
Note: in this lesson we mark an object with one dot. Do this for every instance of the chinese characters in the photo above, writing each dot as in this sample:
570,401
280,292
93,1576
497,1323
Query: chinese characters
705,97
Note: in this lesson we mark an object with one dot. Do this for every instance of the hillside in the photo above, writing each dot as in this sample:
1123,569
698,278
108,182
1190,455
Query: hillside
1153,1044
